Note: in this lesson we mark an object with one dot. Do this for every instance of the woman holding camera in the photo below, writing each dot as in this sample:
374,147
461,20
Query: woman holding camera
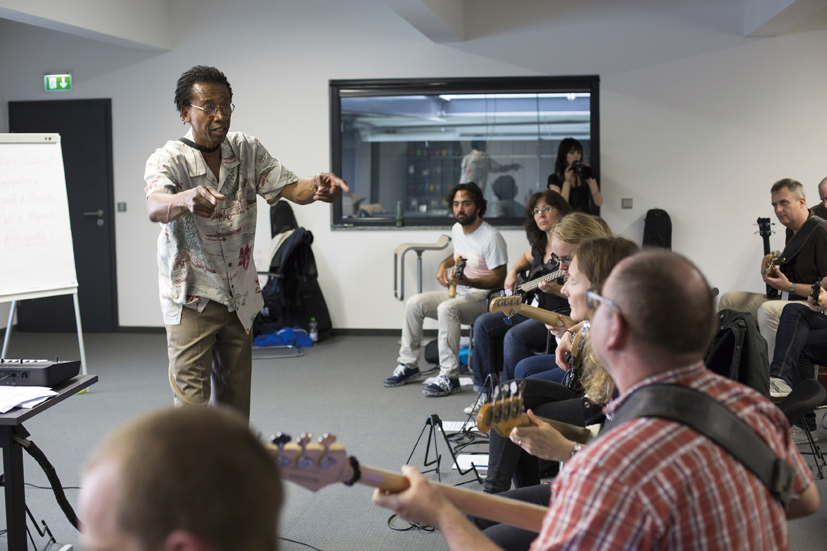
573,178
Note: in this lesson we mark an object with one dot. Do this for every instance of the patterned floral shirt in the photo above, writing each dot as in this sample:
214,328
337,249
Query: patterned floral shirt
657,484
203,259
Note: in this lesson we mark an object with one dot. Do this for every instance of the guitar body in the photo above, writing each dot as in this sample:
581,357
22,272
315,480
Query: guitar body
815,291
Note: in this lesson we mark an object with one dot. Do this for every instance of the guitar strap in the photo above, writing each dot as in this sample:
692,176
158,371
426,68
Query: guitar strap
801,237
705,415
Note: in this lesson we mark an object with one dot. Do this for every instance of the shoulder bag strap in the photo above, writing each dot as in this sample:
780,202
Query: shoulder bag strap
800,238
705,415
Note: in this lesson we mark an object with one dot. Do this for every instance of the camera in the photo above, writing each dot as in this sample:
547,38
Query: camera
583,171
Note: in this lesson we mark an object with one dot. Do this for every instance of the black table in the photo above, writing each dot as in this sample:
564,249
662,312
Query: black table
11,425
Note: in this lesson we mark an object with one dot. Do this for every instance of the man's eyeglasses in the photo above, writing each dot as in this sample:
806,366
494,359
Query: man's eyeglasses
560,259
210,110
593,299
535,212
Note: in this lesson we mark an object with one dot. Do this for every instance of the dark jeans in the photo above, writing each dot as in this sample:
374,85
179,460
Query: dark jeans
509,537
507,460
801,342
499,346
543,367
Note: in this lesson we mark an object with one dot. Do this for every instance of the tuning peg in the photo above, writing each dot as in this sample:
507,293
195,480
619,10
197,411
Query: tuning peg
280,439
326,440
304,460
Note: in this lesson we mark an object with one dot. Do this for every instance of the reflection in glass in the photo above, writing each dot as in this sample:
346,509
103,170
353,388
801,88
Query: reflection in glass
415,148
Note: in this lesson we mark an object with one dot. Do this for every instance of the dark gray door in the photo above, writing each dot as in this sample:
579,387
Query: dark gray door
85,127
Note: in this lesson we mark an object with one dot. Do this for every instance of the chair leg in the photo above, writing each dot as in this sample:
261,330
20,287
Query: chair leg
818,457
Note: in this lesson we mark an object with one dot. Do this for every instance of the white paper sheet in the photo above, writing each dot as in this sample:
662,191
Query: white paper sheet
23,396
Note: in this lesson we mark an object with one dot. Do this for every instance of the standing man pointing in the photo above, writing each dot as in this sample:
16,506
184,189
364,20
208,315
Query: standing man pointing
202,189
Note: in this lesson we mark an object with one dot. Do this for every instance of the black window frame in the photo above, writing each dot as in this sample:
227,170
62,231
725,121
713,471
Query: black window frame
434,86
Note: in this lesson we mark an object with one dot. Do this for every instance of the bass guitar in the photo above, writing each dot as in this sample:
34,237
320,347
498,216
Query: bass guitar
815,291
315,465
771,259
506,411
514,305
529,286
457,273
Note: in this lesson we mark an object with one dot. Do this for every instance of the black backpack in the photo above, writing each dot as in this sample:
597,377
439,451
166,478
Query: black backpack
293,296
739,352
657,229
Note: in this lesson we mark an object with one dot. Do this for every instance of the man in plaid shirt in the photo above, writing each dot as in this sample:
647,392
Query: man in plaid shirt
650,483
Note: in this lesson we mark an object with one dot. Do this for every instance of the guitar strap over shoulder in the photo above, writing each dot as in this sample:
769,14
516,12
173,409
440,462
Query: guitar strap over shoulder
707,416
801,237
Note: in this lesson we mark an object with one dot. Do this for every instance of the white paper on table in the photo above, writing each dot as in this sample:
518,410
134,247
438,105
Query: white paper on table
14,396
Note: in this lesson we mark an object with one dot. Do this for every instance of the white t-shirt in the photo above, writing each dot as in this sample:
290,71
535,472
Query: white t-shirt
483,250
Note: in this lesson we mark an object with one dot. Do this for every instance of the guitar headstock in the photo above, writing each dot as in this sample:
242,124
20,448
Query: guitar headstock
764,227
506,410
509,305
311,465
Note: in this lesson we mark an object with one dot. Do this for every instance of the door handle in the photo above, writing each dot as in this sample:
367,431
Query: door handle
98,213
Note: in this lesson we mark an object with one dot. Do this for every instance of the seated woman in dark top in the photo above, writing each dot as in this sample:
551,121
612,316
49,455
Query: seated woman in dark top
545,209
583,196
589,387
574,404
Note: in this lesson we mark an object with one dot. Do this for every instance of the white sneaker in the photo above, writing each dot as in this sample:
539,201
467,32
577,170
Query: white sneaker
779,387
800,437
474,408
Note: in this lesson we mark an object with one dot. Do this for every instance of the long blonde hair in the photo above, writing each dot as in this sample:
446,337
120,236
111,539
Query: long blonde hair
595,259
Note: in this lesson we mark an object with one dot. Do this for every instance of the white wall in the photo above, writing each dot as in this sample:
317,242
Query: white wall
696,119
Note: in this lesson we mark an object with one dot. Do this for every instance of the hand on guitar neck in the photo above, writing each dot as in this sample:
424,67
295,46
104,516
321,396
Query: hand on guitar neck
513,305
316,465
543,438
457,274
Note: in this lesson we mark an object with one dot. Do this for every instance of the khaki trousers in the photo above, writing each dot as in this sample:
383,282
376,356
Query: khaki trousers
210,358
450,313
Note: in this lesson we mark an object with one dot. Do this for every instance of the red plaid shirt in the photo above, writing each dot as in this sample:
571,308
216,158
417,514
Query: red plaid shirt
656,484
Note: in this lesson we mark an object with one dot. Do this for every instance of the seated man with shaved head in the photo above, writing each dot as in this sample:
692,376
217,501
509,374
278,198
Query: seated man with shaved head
650,483
190,479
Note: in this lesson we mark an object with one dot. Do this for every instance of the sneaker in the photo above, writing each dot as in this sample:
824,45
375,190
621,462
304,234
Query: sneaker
402,375
800,437
442,386
779,387
474,408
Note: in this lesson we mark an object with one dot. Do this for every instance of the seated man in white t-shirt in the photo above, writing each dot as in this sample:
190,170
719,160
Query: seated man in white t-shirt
484,251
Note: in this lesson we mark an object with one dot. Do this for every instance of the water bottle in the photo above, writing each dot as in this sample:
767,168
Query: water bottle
314,330
400,218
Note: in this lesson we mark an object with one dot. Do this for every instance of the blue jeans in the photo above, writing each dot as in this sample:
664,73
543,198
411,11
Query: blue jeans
800,342
498,347
542,367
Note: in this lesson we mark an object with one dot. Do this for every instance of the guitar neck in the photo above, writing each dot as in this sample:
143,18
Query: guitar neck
488,506
544,316
534,283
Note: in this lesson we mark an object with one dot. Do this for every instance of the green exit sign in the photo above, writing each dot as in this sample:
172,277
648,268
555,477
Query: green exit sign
58,83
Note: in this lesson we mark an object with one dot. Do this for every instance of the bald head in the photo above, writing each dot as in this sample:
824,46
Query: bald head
666,302
822,191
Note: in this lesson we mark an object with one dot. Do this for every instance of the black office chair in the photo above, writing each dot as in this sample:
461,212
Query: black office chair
805,397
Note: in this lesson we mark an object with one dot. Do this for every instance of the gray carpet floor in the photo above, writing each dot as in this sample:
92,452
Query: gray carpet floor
336,387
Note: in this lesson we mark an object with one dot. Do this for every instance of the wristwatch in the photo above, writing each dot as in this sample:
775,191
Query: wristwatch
792,289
